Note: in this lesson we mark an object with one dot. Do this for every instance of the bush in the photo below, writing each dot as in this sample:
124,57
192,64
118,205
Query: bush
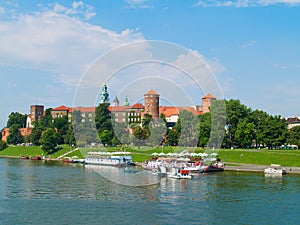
3,145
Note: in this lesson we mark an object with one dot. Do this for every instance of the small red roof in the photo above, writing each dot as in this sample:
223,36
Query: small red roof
83,109
118,108
137,106
173,110
209,96
151,92
61,108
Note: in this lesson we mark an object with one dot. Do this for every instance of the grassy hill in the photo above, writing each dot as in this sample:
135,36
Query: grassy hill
248,156
17,151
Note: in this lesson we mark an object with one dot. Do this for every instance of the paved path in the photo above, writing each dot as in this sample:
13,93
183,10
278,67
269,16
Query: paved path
256,168
59,157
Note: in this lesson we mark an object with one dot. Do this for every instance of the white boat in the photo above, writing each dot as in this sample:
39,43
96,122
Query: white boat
162,162
274,170
109,158
172,172
194,167
181,174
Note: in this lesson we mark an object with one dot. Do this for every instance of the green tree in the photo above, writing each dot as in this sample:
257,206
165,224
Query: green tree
49,141
36,135
121,133
16,118
275,133
61,124
3,145
104,124
46,121
235,112
245,133
158,131
218,122
205,128
106,137
294,136
15,136
69,137
141,135
259,119
172,137
189,129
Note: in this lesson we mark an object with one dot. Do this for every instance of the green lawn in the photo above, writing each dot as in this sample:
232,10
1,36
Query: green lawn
17,151
262,157
22,150
249,156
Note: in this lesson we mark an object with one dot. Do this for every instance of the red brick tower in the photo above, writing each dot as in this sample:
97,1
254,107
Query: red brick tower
151,100
206,102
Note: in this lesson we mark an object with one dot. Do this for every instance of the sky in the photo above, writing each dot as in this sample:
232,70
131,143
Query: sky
238,49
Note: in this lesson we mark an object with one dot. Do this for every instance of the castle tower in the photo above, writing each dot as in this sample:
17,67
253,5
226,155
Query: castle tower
206,102
126,102
116,101
36,113
104,97
151,100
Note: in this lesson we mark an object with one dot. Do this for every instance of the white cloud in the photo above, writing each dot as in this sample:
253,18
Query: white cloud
248,44
57,40
138,3
2,11
78,9
245,3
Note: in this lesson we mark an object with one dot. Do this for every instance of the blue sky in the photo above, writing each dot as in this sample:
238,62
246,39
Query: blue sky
252,47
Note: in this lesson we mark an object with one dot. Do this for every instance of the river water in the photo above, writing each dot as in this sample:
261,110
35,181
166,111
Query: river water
38,192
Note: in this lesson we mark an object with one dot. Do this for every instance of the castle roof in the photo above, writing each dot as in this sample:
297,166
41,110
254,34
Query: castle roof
151,92
83,109
209,96
173,110
118,108
116,99
137,106
293,120
61,108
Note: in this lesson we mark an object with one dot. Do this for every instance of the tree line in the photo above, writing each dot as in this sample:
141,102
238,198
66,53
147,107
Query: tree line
239,127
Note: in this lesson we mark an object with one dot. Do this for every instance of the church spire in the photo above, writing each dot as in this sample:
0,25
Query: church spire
104,97
116,101
126,102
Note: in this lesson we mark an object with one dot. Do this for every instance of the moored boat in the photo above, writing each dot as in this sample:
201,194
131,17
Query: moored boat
36,157
275,169
181,174
109,158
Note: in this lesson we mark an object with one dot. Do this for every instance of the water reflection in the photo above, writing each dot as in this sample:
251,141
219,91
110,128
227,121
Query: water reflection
80,195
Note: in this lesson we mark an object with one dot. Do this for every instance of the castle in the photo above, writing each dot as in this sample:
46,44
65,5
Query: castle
120,113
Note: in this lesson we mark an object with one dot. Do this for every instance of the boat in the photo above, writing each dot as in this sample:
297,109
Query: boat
150,164
24,157
211,165
194,167
275,169
164,162
181,174
67,159
172,172
36,157
73,159
212,168
109,158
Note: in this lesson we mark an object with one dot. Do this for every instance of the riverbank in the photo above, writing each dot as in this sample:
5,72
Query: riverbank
257,168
